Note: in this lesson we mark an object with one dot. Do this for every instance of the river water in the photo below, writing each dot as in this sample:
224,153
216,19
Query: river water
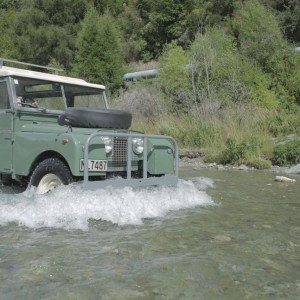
217,235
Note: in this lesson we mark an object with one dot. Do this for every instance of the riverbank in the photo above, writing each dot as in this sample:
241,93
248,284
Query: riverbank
195,160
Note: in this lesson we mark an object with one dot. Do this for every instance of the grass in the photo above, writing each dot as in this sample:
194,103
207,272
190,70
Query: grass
234,136
287,154
231,133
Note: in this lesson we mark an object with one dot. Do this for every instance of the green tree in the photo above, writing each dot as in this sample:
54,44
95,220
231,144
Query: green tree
164,21
99,58
7,45
134,46
9,4
41,30
174,78
260,38
288,12
221,75
206,14
114,7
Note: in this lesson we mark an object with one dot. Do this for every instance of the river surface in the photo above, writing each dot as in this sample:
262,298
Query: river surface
217,235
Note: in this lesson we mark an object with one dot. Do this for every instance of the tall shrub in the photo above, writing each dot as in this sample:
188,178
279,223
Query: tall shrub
221,75
260,38
174,77
99,57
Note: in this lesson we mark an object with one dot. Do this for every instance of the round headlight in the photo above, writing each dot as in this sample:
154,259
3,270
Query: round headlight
138,145
108,143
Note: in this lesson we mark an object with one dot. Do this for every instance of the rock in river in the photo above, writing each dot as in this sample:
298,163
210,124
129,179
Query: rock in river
284,179
222,238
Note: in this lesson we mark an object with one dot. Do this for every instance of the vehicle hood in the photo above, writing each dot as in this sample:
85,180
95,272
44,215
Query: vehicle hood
41,127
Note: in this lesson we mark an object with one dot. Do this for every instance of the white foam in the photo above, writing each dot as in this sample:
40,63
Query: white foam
72,207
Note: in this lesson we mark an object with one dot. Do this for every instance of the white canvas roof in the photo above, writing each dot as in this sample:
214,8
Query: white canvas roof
8,71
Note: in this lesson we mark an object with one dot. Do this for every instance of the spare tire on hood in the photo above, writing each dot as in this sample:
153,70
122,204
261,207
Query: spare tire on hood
95,118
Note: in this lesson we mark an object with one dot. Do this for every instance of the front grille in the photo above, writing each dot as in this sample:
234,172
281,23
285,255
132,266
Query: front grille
120,149
119,157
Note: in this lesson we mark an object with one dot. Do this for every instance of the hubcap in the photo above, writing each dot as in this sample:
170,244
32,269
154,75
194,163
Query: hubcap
48,183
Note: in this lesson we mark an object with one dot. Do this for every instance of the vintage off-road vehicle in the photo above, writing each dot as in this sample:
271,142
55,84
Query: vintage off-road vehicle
55,130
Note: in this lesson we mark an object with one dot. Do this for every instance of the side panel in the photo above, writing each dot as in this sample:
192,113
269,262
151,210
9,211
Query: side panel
5,129
160,157
31,144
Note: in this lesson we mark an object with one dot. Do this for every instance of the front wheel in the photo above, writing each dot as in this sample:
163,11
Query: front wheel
49,174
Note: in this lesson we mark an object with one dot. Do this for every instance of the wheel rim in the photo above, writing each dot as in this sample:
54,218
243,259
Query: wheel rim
48,183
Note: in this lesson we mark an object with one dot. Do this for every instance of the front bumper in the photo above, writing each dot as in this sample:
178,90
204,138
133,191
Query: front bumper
168,180
145,179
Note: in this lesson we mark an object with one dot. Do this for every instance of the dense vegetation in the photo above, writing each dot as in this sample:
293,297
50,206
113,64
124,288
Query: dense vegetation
229,80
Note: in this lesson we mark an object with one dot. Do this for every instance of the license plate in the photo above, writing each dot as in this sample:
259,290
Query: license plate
95,165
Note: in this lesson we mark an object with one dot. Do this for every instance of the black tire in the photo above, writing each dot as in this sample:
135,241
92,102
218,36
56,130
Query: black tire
95,118
51,166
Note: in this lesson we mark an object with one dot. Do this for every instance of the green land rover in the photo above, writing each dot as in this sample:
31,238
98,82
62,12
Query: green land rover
56,130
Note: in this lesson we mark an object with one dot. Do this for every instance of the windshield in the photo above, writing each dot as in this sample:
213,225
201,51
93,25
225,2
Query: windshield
34,93
80,96
41,94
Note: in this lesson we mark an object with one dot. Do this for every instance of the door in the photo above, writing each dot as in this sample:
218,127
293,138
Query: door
5,129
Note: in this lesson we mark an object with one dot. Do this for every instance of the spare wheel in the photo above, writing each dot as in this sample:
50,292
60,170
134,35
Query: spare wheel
96,118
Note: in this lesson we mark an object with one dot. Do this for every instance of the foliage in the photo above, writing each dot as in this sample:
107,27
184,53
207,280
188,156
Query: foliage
130,21
288,12
7,48
283,123
99,56
256,27
259,163
142,100
243,81
287,154
165,21
242,152
9,4
40,30
192,135
113,7
260,38
174,78
221,74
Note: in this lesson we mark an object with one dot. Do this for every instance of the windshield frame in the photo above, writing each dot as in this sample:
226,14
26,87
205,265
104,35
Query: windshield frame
86,91
40,109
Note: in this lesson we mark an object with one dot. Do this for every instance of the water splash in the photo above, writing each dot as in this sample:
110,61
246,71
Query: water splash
72,207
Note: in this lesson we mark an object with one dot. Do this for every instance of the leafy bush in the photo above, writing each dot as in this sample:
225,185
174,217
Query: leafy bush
239,152
287,154
174,78
258,33
282,123
220,73
260,38
259,163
